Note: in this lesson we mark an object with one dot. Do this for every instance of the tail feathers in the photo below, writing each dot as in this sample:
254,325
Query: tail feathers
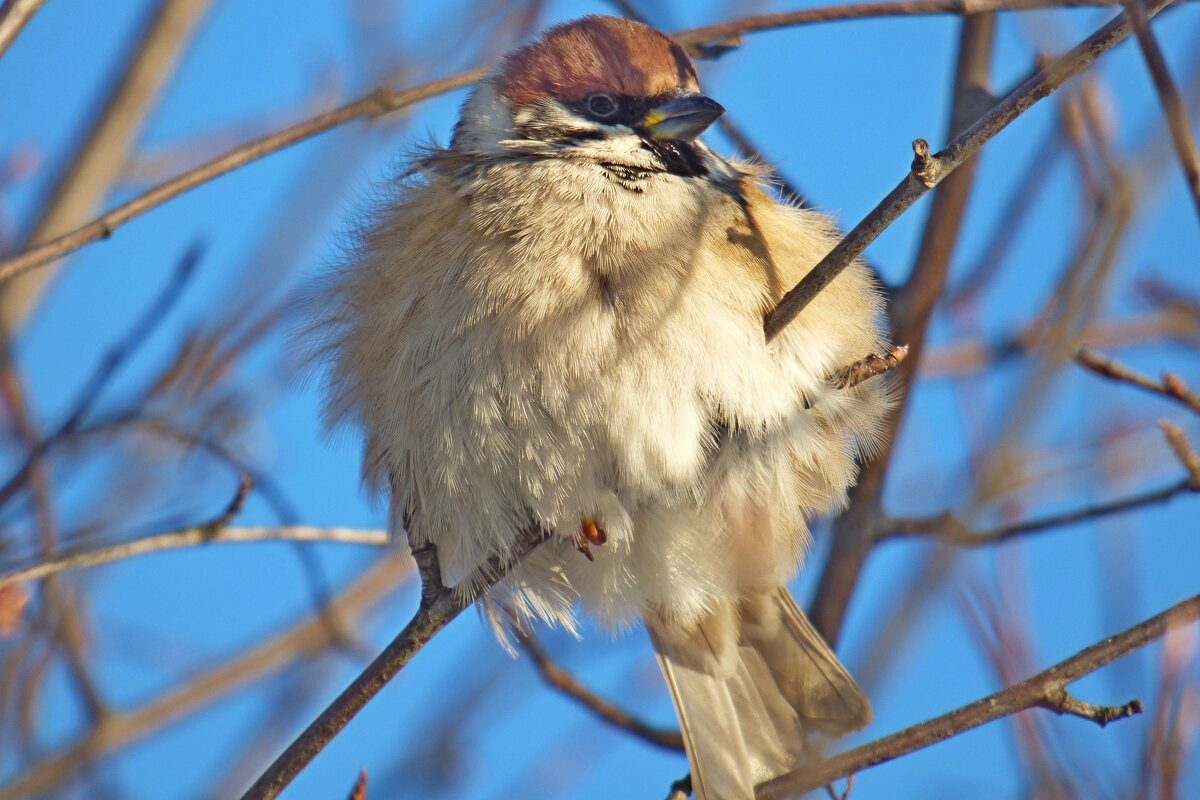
750,685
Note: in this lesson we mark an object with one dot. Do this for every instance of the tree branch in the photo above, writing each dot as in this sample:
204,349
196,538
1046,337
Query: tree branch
911,312
1171,386
930,170
193,537
430,618
1047,689
296,645
950,529
92,169
558,678
1168,96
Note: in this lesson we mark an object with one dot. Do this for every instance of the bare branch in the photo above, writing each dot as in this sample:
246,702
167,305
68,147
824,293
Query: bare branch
1168,96
428,621
558,678
1171,386
308,637
194,537
911,312
728,34
935,168
948,528
1062,702
13,17
378,102
1183,451
1044,690
92,169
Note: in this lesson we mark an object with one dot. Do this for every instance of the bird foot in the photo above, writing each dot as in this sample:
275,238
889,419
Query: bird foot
589,533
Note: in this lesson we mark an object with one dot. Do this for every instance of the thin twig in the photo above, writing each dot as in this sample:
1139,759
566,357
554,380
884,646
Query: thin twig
1168,96
428,621
728,33
1171,386
91,170
558,678
194,537
377,103
929,171
948,528
1044,690
1184,451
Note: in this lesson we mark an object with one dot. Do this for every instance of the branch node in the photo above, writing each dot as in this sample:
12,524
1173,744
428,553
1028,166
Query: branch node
1060,701
926,168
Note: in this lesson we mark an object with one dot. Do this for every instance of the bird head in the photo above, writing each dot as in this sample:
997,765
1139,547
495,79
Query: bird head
600,88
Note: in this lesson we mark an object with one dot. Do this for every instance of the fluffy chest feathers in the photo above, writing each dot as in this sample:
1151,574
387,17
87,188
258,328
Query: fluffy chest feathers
537,342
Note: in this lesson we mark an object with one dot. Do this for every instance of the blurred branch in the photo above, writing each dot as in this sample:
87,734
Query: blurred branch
912,310
1171,386
727,33
439,606
966,357
94,167
13,17
375,104
948,528
1046,690
193,537
385,100
558,678
1168,95
296,645
1184,451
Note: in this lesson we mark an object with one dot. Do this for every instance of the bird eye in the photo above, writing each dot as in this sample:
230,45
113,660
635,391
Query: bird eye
602,105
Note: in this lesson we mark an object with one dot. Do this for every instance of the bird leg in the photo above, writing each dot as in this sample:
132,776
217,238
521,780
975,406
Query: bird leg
589,533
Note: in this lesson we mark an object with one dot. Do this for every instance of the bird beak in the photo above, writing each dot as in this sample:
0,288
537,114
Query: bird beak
684,117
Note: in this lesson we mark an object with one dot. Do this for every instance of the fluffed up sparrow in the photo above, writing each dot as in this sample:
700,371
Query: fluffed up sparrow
557,322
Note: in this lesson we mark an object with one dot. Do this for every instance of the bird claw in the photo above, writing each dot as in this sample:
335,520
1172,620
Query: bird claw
589,533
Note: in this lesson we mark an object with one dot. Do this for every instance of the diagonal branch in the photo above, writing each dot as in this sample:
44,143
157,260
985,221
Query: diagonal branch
912,311
1047,689
1168,96
437,610
298,644
948,528
558,678
929,170
1171,386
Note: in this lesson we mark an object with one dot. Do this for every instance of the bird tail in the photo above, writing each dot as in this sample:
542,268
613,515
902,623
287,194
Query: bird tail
750,684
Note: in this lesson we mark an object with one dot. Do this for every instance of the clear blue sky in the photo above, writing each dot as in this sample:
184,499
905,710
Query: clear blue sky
835,107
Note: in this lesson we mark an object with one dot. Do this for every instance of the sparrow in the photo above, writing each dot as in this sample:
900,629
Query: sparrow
557,322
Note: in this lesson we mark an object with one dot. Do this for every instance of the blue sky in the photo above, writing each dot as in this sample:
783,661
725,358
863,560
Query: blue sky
835,107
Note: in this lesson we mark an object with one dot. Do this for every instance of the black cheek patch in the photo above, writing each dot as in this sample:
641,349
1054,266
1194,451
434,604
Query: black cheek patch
677,157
